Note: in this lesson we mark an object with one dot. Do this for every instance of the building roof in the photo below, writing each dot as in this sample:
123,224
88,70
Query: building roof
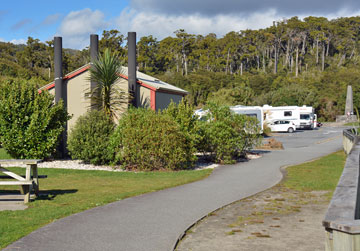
142,79
155,83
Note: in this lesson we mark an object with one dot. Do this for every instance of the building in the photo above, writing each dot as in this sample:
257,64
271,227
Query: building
151,92
75,86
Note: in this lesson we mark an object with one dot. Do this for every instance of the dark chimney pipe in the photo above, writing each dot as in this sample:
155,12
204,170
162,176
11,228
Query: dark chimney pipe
94,47
60,91
132,68
94,53
58,69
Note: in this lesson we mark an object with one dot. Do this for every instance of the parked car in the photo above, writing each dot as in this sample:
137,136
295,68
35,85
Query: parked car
282,126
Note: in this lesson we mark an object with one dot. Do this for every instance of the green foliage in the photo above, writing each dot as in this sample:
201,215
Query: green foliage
289,95
107,95
183,115
146,140
225,135
30,124
89,139
240,95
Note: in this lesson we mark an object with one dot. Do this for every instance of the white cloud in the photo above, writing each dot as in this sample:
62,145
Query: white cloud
77,26
18,41
162,25
243,7
14,41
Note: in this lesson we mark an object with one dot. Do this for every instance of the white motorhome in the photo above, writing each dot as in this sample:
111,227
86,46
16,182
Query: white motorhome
251,111
307,117
301,116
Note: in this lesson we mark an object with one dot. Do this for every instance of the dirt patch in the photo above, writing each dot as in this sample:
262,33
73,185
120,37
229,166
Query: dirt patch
276,219
272,144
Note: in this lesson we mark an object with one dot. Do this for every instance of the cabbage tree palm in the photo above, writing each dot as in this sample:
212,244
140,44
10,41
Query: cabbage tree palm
107,95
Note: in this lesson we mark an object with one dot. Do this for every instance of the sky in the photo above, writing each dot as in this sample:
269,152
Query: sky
75,20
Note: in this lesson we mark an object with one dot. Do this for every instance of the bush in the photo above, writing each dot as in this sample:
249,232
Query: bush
226,136
146,140
89,139
183,115
30,124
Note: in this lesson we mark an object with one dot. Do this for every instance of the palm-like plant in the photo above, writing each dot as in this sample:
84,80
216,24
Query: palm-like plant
107,95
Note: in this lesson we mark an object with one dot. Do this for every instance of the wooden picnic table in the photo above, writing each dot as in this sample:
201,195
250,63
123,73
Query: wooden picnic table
29,182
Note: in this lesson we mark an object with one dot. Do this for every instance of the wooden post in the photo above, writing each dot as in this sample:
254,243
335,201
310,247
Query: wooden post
26,188
35,178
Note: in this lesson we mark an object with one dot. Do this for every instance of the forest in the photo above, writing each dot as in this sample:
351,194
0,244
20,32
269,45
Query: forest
292,62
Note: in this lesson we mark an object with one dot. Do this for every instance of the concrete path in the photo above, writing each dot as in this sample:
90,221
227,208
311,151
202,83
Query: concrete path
155,221
12,202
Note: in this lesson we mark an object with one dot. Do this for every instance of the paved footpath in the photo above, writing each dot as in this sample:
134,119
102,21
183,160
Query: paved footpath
155,221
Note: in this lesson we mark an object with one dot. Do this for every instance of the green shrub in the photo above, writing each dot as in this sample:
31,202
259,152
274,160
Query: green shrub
146,140
183,115
225,135
30,124
89,139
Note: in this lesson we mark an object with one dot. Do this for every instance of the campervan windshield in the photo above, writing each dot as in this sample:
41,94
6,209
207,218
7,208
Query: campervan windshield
305,116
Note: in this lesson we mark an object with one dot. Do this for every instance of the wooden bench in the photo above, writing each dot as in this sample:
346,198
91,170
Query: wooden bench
28,183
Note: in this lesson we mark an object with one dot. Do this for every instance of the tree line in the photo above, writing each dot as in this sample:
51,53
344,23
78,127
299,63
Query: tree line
292,62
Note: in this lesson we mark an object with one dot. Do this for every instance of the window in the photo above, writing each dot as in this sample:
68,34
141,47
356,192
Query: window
287,113
305,116
252,115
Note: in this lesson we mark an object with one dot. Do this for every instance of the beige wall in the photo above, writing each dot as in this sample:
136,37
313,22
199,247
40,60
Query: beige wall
122,88
77,103
52,91
144,97
164,99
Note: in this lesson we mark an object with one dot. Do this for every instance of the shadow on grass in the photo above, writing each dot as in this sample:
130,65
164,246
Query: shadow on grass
44,194
51,194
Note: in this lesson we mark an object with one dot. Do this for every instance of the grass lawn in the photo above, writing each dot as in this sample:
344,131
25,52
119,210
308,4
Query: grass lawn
319,175
66,192
4,154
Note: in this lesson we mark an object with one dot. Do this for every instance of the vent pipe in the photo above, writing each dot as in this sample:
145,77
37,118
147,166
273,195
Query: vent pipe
60,91
94,53
94,47
132,68
58,69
